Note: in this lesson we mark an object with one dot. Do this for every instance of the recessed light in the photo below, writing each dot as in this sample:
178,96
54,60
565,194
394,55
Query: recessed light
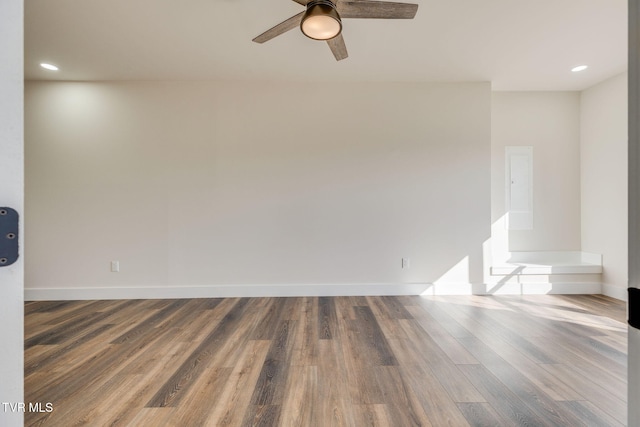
579,68
49,67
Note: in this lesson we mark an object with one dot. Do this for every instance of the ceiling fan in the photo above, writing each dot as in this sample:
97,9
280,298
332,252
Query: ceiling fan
322,19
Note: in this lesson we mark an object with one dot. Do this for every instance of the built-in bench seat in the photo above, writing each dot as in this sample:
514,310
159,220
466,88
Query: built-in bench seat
548,262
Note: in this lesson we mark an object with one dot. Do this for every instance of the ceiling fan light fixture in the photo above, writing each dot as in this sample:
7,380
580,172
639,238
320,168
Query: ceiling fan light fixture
321,20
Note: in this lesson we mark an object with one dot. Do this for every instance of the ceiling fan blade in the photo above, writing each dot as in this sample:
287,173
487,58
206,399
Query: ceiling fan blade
376,9
281,28
338,47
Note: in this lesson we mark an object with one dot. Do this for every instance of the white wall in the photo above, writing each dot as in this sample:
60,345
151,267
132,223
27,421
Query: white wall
201,184
11,194
550,122
603,155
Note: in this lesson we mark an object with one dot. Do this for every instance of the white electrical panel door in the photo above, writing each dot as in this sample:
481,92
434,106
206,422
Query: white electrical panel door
519,187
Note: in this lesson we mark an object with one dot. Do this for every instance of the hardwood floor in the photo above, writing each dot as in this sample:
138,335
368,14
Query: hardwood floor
328,361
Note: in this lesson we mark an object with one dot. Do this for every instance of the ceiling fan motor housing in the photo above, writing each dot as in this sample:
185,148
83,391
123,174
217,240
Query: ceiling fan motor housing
321,20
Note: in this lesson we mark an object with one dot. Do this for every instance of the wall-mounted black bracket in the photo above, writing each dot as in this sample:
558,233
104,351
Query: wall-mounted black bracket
9,219
634,307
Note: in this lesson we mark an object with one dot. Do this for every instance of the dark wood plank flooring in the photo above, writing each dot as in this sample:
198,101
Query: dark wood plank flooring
328,361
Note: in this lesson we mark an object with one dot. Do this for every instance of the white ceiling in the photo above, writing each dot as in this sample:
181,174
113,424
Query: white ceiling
515,44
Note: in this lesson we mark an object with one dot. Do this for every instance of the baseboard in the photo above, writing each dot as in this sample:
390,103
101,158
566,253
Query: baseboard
297,290
566,288
224,291
616,292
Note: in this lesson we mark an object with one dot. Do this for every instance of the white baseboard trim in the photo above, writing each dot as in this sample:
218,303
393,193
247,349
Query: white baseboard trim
616,292
297,290
565,288
224,291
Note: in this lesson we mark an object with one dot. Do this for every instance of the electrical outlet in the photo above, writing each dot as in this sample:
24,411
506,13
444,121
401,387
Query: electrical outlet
406,262
115,266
